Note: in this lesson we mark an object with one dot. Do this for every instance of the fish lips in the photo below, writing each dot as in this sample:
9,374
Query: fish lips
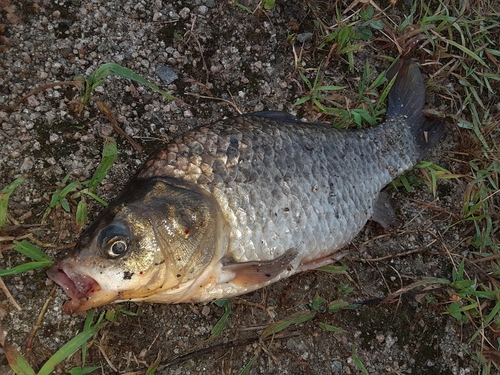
79,287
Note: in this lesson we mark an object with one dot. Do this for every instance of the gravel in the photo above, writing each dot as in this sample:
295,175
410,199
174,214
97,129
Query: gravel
215,57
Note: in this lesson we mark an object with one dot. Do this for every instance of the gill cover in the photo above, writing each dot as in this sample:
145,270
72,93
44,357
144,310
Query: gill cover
183,221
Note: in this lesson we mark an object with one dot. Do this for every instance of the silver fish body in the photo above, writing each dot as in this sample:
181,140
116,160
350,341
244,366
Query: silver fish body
231,207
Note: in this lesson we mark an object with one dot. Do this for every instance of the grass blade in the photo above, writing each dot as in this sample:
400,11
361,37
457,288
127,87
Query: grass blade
4,199
95,197
330,328
467,51
336,270
69,348
24,268
249,365
86,326
16,361
219,326
296,318
361,367
81,212
31,251
154,366
109,69
109,154
337,305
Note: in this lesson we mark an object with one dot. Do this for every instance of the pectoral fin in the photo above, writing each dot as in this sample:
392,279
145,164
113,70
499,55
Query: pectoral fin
258,272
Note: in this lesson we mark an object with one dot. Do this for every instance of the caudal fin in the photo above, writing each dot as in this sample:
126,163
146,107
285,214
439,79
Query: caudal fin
407,99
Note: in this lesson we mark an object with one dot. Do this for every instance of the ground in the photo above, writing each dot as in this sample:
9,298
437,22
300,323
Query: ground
222,57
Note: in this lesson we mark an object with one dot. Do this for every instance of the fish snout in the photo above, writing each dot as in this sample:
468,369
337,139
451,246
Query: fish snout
77,286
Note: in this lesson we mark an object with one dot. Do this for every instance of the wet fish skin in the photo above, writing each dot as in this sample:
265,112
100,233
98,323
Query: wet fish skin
230,207
280,185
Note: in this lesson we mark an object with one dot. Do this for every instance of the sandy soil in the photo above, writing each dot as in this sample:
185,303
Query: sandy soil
217,50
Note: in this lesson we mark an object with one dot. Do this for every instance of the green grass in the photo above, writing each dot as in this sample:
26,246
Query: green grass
41,260
4,199
21,367
88,85
66,196
456,42
60,198
61,195
221,324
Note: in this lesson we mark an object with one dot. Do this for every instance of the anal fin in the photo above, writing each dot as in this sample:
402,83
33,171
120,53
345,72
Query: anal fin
258,272
383,213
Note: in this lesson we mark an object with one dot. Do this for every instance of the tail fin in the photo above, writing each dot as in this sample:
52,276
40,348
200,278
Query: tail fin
406,99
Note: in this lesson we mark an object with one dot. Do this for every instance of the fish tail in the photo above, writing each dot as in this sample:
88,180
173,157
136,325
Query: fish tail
407,99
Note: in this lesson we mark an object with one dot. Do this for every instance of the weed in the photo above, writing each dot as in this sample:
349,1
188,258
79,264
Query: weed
348,38
268,4
244,7
59,198
293,319
249,365
480,205
21,367
357,361
41,260
430,174
64,195
113,313
316,90
4,199
219,327
368,109
88,85
338,270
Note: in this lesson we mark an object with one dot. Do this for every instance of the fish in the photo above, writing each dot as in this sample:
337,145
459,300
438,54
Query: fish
234,206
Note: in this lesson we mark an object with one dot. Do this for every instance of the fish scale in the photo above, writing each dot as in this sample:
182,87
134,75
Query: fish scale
334,178
231,207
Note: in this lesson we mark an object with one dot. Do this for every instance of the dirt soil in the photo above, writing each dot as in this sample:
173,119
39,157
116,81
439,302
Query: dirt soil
218,57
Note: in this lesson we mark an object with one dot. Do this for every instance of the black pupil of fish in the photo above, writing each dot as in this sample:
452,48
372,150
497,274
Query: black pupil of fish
118,247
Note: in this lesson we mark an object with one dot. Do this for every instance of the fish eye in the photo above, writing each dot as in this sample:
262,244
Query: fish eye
114,240
117,248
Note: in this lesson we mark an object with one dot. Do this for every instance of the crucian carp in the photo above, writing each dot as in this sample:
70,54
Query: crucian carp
234,206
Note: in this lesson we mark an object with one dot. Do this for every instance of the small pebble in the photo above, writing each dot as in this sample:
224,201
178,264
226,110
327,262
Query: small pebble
27,164
205,311
53,138
184,13
166,74
304,37
157,16
336,367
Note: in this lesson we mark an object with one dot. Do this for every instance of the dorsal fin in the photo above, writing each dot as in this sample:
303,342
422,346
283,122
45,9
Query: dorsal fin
285,118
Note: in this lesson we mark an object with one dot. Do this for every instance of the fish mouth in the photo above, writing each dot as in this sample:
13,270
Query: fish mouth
78,287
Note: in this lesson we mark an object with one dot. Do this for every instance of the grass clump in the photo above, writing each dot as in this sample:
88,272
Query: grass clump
456,45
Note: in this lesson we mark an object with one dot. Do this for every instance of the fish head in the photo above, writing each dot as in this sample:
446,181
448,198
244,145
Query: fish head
155,237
